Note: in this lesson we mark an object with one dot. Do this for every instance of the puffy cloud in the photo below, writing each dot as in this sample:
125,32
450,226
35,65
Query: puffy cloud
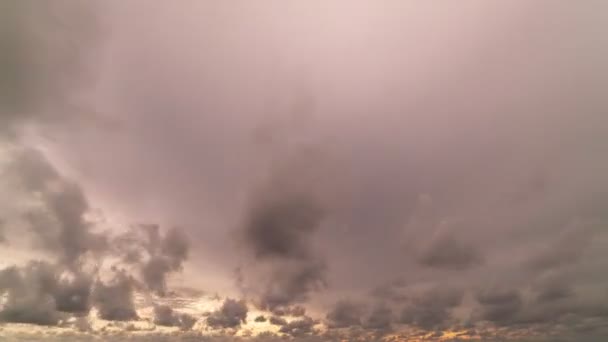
260,319
230,315
155,255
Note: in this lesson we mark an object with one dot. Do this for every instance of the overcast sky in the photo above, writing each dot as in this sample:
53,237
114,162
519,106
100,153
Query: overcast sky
308,170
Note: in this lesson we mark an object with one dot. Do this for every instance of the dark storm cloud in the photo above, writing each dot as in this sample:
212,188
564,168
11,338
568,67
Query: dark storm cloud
432,309
164,315
278,232
230,315
74,295
114,300
281,228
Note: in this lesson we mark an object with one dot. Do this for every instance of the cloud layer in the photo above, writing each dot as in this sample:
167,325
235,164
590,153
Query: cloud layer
332,170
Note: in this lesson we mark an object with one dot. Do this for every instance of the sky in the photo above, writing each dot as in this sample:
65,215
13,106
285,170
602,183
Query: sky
303,170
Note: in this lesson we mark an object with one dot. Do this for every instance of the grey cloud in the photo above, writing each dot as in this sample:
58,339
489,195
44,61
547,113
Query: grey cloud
300,327
114,300
390,291
345,314
293,282
275,320
567,249
507,134
30,294
260,319
46,55
553,287
294,310
279,232
230,315
380,318
280,228
60,226
42,293
499,305
432,309
156,255
74,295
445,251
165,316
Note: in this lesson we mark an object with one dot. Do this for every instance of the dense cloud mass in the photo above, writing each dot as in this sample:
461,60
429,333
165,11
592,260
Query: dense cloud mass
305,170
230,315
115,299
164,315
279,232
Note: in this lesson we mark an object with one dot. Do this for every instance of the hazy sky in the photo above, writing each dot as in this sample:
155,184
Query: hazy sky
308,170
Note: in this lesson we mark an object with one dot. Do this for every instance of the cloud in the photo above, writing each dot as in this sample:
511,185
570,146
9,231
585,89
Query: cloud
567,249
431,309
38,78
445,251
260,319
154,254
165,316
30,294
499,305
275,320
295,310
230,315
114,300
380,318
74,294
280,228
59,224
300,327
278,232
345,314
